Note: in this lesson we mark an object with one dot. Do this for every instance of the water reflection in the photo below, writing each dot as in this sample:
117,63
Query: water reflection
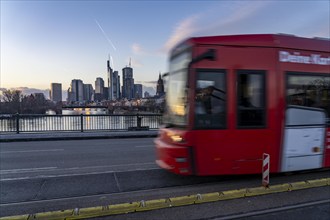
85,111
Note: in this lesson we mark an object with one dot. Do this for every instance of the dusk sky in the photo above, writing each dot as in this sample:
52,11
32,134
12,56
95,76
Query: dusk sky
57,41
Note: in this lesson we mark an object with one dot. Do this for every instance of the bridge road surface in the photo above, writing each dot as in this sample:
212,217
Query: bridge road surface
58,175
72,157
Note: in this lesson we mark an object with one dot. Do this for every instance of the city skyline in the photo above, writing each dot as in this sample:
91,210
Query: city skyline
39,47
99,91
112,90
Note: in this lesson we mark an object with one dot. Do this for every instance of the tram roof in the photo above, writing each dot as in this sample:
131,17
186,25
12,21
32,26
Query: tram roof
266,40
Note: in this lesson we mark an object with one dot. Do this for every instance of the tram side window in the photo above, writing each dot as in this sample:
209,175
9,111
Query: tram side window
309,90
251,112
210,100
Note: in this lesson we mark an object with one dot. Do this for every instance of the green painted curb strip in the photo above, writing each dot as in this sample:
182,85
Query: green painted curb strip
125,208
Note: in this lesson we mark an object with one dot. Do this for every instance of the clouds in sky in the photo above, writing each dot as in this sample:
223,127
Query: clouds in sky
184,29
138,52
137,49
214,21
301,18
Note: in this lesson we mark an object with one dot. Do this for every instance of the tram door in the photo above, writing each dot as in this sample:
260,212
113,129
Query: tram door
218,148
304,134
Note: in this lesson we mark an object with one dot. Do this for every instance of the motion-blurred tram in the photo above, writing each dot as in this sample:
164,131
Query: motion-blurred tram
230,99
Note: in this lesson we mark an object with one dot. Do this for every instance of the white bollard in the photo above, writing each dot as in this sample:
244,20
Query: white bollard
265,169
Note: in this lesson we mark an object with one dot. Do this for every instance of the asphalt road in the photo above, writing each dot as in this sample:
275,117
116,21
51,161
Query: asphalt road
58,175
58,158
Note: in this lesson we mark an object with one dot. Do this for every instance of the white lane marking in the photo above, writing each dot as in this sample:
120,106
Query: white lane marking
29,151
106,166
144,146
27,170
46,169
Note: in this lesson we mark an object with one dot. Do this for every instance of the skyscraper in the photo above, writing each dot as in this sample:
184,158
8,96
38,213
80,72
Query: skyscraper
128,82
138,91
55,93
105,93
113,82
99,85
88,92
116,86
77,90
110,80
99,89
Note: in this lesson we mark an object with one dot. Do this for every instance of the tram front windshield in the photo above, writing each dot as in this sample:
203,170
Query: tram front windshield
176,111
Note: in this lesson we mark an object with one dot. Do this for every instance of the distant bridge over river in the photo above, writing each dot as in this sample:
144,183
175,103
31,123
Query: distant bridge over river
113,109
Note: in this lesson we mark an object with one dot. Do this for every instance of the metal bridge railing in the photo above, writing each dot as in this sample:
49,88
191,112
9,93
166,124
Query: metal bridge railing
44,123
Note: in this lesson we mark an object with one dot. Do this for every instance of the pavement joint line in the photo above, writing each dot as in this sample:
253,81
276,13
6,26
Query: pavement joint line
147,205
117,182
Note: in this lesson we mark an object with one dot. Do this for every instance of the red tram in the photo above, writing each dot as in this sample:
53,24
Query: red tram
229,99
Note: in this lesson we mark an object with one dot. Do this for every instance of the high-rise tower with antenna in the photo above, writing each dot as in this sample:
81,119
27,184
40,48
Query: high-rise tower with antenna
113,82
110,79
128,82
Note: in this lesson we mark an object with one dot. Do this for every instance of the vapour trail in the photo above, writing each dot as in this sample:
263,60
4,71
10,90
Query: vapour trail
104,34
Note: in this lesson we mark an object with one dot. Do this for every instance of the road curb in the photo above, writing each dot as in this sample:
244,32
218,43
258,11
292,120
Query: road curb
124,208
76,136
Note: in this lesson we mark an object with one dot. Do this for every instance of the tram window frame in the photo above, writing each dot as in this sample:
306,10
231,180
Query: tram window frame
251,110
211,117
305,74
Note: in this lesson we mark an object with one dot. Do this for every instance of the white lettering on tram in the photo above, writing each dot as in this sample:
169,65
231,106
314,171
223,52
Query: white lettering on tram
296,57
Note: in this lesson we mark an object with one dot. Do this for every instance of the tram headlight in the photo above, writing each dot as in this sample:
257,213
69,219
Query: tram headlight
177,138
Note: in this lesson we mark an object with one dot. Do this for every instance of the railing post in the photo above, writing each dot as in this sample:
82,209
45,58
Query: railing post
17,123
138,120
81,123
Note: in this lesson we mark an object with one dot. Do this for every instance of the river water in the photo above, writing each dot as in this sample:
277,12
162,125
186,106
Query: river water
75,121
